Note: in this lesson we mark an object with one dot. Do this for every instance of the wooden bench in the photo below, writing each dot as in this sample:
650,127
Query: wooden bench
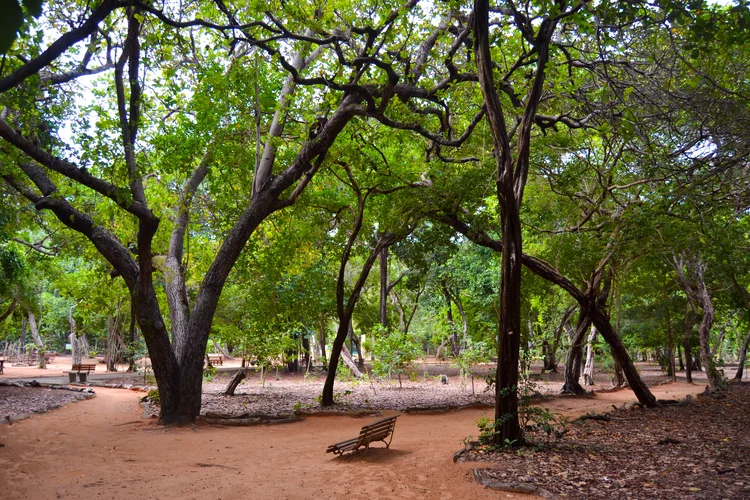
84,367
82,370
215,359
49,356
376,431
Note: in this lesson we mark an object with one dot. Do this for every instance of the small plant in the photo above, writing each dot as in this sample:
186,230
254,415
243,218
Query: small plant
208,373
394,353
473,354
153,396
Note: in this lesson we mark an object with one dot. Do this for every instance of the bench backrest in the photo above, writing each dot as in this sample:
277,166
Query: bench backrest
84,367
378,430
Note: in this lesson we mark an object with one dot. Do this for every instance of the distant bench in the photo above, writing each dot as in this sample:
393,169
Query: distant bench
376,431
82,369
215,359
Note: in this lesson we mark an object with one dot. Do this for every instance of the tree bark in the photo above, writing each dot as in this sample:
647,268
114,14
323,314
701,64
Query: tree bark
383,258
743,351
449,318
9,311
588,371
323,341
74,347
691,276
35,331
688,333
24,322
235,381
306,350
346,310
743,357
550,355
573,361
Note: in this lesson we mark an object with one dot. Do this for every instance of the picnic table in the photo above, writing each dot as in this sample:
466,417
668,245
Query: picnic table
215,359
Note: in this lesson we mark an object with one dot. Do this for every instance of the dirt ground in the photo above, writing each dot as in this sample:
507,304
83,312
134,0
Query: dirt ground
699,450
56,368
102,448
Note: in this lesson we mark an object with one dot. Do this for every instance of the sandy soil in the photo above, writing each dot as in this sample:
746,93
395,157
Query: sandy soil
101,448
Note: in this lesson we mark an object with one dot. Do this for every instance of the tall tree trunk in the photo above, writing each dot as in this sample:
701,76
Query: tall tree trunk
619,379
588,371
743,350
670,348
84,345
131,339
691,275
449,318
686,339
354,342
550,357
306,350
509,341
345,308
323,341
37,339
383,260
743,357
23,334
34,327
74,347
704,331
573,361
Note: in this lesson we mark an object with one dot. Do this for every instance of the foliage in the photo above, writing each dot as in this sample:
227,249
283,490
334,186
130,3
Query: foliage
394,354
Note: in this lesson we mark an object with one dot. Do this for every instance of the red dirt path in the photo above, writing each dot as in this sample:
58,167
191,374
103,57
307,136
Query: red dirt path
101,448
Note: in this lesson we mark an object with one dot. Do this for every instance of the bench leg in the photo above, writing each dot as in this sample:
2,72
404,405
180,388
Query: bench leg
82,376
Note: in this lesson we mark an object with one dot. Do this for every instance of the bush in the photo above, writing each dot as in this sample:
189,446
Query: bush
153,396
394,353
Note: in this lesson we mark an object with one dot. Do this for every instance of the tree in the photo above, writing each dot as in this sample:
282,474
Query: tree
146,31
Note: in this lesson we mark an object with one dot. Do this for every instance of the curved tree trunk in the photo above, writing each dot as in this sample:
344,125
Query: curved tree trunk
345,309
573,361
588,371
550,356
10,309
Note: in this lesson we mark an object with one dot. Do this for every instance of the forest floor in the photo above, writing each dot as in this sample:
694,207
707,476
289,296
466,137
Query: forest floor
697,450
103,448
